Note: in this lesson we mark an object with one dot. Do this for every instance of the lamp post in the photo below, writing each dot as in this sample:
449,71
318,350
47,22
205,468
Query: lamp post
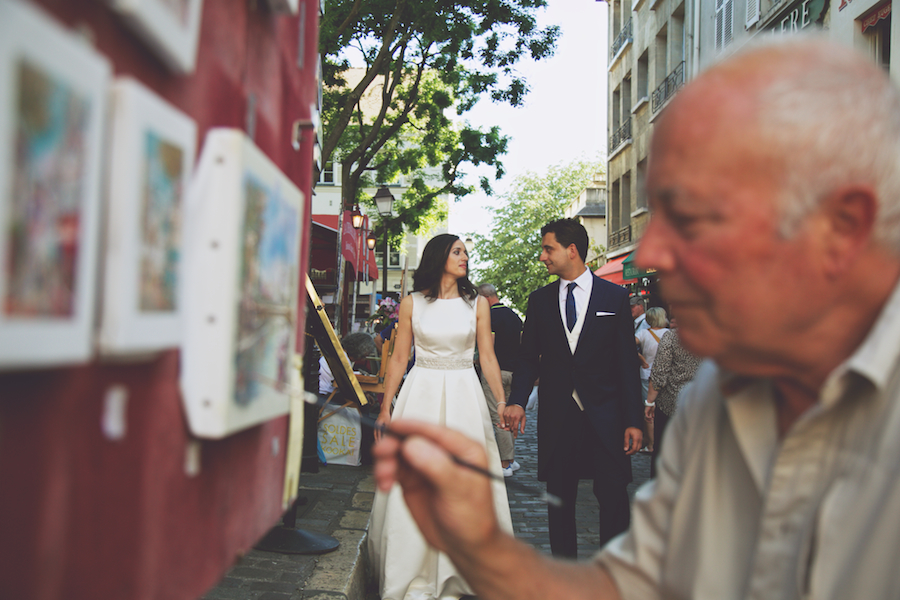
356,219
384,201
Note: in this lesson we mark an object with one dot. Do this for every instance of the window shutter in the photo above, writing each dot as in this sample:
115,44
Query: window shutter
724,23
728,29
752,12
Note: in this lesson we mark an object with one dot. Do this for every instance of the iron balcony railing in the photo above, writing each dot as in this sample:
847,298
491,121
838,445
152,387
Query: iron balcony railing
620,135
620,237
623,38
667,89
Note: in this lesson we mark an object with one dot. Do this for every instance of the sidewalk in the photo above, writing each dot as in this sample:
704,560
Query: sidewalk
338,501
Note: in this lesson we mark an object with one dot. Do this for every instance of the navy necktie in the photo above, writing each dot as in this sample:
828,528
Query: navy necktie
571,315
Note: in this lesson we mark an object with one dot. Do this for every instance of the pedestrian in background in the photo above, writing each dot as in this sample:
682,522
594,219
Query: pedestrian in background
673,368
507,329
647,341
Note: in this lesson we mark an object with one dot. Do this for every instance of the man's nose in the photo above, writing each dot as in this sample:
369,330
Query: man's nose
655,251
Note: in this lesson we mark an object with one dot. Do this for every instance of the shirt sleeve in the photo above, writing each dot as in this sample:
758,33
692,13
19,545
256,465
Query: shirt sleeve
638,558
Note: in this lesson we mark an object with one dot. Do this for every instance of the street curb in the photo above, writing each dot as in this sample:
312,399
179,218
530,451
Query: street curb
342,574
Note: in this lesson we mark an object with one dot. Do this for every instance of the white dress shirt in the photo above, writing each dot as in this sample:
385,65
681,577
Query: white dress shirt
736,512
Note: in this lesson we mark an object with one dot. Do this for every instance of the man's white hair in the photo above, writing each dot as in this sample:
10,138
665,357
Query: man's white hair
835,118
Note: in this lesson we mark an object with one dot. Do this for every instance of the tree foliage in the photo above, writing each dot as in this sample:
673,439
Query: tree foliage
421,60
509,254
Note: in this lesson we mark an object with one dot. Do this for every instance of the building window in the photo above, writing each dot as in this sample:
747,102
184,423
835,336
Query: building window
643,85
393,258
616,106
625,209
627,100
614,213
661,60
724,23
876,28
327,174
642,184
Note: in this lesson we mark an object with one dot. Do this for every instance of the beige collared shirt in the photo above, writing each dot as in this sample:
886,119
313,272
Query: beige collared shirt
737,513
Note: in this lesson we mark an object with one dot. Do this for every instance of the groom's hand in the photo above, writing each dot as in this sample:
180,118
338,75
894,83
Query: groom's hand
634,438
514,419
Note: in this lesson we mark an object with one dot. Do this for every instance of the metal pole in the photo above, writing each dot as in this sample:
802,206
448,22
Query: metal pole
384,263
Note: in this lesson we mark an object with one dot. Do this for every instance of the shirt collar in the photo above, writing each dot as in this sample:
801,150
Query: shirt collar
874,360
581,281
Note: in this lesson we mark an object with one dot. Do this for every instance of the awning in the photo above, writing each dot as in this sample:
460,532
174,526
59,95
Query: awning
882,12
353,243
612,271
631,270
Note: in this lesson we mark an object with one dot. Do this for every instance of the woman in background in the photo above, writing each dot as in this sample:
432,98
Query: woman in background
648,341
673,368
446,317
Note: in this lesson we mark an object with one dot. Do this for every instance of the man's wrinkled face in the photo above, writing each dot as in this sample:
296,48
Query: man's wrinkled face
713,236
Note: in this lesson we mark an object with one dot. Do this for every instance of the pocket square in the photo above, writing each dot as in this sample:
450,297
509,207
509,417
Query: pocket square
605,314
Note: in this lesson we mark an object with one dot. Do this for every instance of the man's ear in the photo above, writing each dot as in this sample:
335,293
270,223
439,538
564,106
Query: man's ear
572,252
850,214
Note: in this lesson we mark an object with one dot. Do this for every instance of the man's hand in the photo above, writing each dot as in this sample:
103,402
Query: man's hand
452,505
634,438
514,419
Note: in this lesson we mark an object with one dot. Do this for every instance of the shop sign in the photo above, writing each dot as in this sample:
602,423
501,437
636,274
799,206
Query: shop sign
800,16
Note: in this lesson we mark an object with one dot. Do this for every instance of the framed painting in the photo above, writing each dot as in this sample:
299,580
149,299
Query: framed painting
53,96
171,28
151,155
243,227
284,6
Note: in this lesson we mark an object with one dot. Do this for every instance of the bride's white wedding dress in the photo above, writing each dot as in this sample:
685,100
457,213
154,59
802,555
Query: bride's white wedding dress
442,388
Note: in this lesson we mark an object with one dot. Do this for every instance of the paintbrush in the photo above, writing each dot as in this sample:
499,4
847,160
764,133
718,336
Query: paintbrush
368,421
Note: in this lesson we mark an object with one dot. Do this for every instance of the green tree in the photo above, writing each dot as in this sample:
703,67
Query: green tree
421,59
509,254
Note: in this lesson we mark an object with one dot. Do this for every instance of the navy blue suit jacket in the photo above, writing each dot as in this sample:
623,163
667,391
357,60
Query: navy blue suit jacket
604,369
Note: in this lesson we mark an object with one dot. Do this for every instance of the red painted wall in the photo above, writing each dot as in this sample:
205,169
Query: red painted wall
85,517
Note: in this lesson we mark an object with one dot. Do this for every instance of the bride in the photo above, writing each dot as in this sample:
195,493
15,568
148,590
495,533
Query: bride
446,317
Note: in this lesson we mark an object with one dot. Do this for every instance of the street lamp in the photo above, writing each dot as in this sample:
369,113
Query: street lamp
384,201
470,245
356,217
371,240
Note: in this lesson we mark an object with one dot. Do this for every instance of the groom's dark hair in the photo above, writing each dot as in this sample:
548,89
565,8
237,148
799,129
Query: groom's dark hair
567,232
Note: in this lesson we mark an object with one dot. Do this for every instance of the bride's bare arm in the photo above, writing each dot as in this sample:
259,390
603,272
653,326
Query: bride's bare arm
489,365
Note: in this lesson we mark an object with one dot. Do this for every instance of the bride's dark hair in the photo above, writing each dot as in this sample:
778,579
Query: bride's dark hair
427,278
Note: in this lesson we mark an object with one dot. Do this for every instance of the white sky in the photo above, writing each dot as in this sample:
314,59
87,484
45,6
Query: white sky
564,116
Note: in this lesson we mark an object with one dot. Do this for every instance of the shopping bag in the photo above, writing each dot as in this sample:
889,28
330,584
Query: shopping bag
340,434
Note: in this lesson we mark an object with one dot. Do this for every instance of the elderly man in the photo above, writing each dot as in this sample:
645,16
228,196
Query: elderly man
773,174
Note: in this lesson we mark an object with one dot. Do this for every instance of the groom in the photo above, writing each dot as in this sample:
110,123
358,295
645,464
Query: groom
578,338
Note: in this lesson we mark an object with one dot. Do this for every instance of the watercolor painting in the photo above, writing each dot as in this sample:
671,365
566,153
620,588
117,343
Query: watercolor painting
269,267
160,224
170,28
54,91
150,160
243,231
49,174
179,8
